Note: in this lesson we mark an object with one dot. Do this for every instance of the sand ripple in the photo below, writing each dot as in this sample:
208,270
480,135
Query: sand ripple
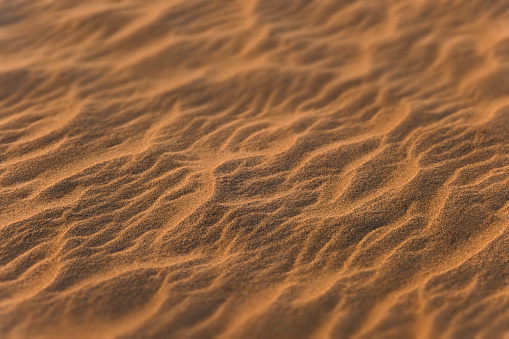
254,169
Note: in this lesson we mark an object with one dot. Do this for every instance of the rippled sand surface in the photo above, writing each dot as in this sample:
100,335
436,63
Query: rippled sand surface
254,169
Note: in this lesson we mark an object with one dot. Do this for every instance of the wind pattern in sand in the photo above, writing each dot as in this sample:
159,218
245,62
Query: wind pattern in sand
254,169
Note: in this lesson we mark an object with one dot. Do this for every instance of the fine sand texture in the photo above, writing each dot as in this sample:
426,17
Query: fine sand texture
254,169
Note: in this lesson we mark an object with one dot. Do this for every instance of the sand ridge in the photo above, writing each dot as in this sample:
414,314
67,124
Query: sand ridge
254,169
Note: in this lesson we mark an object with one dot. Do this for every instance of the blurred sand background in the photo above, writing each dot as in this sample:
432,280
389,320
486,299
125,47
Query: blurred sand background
254,169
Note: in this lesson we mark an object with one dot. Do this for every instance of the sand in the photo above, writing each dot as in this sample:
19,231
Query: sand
254,169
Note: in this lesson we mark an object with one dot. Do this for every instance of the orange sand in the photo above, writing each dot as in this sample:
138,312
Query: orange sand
254,169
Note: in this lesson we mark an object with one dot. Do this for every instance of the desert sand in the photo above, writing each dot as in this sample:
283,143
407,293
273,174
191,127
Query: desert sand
254,169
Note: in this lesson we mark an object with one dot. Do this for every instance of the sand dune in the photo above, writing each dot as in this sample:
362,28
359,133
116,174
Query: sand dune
254,169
